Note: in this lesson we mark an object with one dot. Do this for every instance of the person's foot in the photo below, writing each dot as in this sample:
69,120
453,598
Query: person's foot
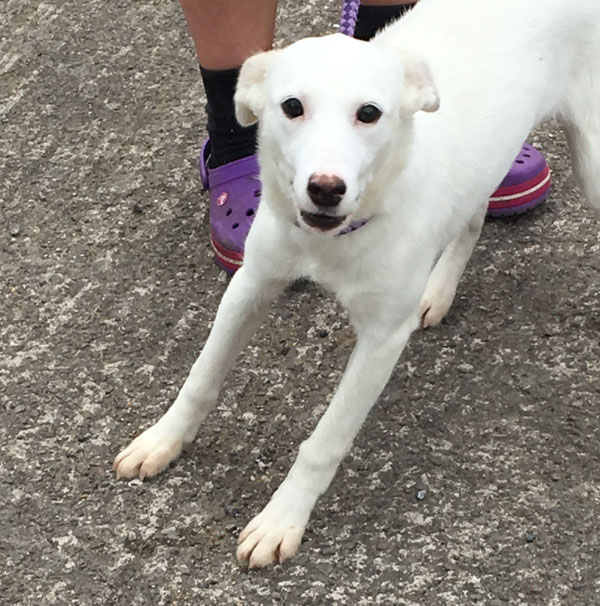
526,185
234,190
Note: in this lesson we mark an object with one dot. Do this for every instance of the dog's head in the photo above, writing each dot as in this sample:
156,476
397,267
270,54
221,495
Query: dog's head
333,112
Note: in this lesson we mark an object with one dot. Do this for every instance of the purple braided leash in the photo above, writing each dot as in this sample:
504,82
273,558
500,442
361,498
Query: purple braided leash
348,18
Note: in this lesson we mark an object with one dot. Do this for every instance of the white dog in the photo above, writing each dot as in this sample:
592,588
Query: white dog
405,137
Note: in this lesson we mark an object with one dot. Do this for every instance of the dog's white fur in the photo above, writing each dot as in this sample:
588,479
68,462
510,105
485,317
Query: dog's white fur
422,178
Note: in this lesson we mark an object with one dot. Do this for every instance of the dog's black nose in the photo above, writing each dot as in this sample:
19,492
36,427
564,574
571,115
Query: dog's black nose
325,190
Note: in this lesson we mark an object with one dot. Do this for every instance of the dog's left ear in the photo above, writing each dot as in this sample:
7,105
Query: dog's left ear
420,93
249,95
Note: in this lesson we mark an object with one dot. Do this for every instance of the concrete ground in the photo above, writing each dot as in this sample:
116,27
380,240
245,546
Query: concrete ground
106,296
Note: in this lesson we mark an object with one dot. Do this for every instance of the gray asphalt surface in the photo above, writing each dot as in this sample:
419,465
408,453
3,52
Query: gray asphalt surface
107,291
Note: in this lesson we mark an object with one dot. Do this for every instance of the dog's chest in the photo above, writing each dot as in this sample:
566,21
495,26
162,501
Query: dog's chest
330,262
339,267
330,275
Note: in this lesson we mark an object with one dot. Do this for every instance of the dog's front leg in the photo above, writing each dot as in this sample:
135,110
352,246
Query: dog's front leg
445,276
241,310
276,532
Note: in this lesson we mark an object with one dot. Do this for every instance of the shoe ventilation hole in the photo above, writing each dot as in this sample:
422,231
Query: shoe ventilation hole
257,193
235,226
249,212
229,211
527,155
520,162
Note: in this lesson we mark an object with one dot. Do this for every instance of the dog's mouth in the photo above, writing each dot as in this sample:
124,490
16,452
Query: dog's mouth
322,221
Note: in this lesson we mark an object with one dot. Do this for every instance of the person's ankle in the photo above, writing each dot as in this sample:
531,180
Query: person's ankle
231,146
229,141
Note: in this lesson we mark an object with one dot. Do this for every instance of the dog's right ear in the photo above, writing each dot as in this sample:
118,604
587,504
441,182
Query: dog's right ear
249,95
420,93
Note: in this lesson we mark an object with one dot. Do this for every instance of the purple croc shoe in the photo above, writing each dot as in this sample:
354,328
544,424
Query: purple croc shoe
234,190
526,185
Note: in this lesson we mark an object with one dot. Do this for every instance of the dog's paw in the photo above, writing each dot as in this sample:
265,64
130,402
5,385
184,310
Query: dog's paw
433,309
148,454
272,536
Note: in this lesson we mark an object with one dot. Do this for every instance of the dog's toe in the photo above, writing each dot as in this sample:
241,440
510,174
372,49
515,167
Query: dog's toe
269,546
423,311
147,455
431,313
272,536
433,310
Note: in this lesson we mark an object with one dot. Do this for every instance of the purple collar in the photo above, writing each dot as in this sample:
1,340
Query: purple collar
353,226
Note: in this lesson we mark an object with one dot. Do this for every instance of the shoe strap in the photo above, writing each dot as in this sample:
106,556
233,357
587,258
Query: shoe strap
214,177
203,163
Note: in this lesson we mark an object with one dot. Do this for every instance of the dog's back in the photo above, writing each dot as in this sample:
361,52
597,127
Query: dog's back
553,57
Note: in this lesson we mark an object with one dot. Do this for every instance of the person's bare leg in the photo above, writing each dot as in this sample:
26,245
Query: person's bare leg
226,32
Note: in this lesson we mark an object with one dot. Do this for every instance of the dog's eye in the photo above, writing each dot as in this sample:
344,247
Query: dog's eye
292,108
368,113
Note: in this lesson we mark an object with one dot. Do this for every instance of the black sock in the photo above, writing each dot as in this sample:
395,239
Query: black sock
228,140
373,18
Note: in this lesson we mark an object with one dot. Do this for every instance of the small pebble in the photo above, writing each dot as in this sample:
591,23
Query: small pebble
421,494
322,334
14,229
219,513
530,537
182,569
